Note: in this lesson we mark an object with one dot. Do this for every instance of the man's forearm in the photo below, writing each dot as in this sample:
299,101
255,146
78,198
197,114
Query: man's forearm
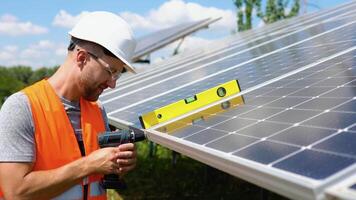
50,183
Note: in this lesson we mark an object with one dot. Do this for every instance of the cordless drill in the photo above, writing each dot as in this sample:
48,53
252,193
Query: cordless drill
114,139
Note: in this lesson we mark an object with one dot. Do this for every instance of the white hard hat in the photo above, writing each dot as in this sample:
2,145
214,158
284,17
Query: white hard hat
110,31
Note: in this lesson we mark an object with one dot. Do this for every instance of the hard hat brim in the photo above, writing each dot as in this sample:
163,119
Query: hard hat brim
128,66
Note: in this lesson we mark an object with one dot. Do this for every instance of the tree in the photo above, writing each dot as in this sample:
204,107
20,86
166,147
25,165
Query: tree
244,13
8,84
275,10
13,79
41,73
22,73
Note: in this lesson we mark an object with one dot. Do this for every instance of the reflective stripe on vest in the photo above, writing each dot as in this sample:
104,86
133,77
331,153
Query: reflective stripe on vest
74,192
96,189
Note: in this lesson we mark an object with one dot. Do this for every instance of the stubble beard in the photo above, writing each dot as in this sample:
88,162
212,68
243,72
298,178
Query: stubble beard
90,92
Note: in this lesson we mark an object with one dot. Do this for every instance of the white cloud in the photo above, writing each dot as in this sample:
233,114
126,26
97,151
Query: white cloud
4,55
9,25
168,14
189,43
60,51
42,53
178,11
66,20
8,18
11,48
137,21
7,53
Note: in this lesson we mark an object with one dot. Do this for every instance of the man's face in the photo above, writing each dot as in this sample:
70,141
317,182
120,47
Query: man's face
99,74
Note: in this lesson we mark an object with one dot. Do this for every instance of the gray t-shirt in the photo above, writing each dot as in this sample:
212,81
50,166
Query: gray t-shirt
17,142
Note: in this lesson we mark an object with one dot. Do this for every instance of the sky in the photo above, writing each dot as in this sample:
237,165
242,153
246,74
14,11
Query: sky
35,32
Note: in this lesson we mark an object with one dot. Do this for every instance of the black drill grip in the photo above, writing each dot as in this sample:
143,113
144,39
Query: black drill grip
114,139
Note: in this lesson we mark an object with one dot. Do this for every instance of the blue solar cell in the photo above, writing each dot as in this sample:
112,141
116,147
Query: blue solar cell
231,142
321,103
286,102
266,152
280,92
263,129
314,164
351,105
334,120
257,101
311,91
205,136
303,82
302,136
234,124
293,116
342,92
261,113
186,131
344,142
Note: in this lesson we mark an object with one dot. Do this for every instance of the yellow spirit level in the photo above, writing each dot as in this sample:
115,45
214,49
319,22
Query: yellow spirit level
188,104
203,115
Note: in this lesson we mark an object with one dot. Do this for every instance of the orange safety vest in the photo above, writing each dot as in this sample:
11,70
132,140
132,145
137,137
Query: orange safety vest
56,144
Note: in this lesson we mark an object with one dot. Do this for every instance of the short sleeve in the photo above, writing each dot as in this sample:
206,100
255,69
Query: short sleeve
17,130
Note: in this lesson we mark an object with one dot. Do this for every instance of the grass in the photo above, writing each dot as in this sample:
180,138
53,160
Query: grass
157,177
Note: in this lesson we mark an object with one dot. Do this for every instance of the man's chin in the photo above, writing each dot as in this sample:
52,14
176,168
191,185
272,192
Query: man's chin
93,99
93,96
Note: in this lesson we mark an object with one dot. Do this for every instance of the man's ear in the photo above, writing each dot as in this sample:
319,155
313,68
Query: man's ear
81,58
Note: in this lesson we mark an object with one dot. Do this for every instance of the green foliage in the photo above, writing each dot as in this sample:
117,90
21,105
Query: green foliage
41,73
275,10
13,79
8,84
158,178
22,73
244,13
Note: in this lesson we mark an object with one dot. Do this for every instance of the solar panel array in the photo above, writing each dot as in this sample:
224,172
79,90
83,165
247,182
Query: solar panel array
293,128
155,40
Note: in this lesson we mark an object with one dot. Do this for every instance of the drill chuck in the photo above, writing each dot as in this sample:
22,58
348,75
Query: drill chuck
114,139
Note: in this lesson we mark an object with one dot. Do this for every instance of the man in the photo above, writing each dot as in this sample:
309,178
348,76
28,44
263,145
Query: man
48,131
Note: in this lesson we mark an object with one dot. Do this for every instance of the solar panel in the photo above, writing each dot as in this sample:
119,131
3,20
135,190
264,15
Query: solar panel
278,28
278,128
156,40
213,55
272,62
254,37
292,129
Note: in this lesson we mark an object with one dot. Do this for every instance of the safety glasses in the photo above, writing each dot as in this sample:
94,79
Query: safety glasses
106,66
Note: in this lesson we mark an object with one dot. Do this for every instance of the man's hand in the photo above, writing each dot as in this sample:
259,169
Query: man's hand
126,158
112,160
103,161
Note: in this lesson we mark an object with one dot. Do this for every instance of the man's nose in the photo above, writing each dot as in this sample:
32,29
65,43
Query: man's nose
112,83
